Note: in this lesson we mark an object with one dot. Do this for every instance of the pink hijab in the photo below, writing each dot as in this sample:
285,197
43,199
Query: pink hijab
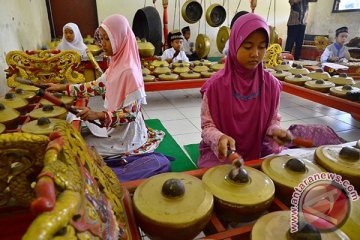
242,102
124,81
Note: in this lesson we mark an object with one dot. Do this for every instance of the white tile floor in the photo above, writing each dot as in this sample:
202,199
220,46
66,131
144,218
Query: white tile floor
179,111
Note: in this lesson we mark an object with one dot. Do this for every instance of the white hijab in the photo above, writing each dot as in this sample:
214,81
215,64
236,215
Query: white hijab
77,44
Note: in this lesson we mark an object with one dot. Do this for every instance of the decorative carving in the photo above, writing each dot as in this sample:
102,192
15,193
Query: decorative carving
21,160
43,66
272,55
88,194
321,42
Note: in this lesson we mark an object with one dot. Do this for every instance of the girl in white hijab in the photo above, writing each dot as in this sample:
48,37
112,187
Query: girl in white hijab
72,39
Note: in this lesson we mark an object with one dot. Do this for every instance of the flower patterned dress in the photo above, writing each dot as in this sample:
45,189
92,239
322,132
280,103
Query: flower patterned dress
127,133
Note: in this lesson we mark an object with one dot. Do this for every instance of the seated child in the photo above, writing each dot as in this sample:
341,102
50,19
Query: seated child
168,44
124,131
240,106
175,54
72,40
97,39
337,52
187,45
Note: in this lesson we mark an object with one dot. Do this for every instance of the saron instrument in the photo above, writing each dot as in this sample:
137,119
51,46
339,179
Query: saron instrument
173,206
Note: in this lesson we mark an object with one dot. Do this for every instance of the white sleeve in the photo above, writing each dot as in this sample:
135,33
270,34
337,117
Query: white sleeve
186,47
325,55
226,48
164,55
184,57
347,54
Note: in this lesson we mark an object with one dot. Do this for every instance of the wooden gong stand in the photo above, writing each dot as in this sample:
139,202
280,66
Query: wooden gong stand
165,20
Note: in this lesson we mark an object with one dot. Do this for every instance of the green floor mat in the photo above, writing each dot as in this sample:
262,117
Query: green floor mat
214,59
169,147
193,151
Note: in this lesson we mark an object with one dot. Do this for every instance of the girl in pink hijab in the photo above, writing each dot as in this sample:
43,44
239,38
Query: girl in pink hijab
240,104
124,129
72,39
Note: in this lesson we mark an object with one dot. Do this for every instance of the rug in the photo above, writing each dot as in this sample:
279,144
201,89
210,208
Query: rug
169,147
193,152
214,59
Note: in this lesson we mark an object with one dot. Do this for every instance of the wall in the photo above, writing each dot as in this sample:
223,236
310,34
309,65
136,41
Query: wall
108,7
323,21
23,25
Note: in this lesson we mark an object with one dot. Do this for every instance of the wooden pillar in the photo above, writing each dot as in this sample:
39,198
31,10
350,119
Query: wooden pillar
253,4
165,21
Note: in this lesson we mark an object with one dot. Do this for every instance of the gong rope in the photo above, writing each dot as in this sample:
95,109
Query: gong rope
268,13
227,15
267,18
179,15
274,12
200,18
228,21
238,6
174,15
205,17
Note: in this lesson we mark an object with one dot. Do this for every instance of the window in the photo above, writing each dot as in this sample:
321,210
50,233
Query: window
346,6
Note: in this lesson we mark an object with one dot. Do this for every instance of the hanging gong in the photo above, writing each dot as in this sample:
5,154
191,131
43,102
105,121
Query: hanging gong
215,15
222,37
191,11
202,45
147,24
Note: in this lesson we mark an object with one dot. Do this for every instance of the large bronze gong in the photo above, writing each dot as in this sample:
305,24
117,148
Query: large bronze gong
191,11
147,24
202,45
276,225
344,161
222,37
215,15
174,206
242,196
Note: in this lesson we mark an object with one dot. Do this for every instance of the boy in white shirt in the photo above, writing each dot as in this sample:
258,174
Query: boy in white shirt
188,46
337,52
175,54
